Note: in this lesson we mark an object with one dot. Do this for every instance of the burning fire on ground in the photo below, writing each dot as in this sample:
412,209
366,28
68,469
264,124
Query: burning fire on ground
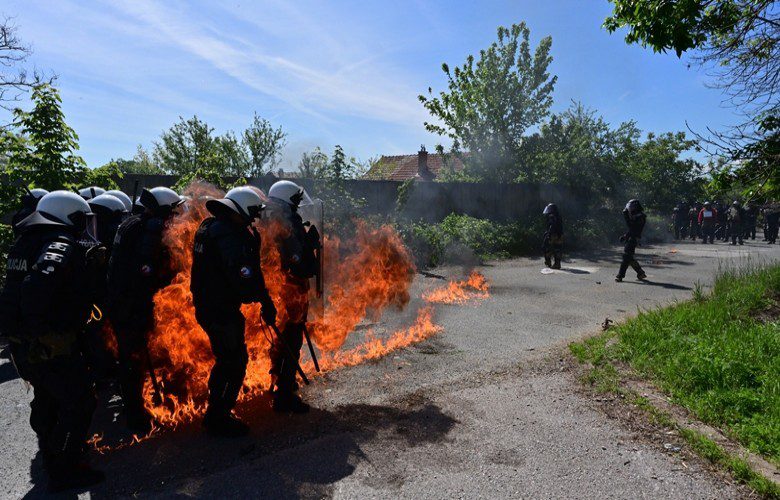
364,276
460,292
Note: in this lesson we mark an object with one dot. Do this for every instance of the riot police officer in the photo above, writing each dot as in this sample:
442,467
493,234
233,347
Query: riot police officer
225,274
29,203
109,212
736,217
677,223
44,307
90,192
751,218
635,220
121,196
139,266
297,249
708,217
552,244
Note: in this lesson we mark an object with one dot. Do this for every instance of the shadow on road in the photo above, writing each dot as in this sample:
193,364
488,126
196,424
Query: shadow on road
285,456
668,286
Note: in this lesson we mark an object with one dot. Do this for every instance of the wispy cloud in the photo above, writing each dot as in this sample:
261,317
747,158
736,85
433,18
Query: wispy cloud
306,83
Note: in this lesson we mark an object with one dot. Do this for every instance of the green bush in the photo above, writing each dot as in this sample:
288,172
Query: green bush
463,239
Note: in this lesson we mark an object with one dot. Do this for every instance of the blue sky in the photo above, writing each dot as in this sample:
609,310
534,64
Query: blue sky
328,72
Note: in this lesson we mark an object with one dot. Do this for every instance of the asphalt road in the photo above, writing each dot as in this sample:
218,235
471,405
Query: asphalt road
473,412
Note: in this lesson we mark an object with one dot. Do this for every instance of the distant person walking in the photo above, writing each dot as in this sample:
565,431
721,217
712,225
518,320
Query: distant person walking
635,220
736,215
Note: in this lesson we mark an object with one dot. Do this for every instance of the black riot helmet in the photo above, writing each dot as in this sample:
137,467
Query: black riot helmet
550,209
633,206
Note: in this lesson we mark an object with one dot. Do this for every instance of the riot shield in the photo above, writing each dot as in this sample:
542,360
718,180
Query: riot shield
313,214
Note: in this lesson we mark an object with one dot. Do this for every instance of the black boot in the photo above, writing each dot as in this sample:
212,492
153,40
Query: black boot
224,425
289,402
139,420
78,475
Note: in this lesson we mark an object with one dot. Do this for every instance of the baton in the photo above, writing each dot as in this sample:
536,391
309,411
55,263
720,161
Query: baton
290,354
157,399
311,348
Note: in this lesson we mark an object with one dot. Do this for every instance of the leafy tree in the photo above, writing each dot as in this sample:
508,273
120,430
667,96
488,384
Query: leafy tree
191,145
41,147
264,144
141,163
492,101
738,42
187,146
605,165
313,164
231,156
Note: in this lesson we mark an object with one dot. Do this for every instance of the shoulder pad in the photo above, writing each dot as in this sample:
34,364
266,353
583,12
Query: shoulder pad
57,254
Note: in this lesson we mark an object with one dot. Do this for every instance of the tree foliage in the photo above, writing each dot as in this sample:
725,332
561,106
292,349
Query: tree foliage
191,145
492,100
605,165
264,144
313,164
39,149
738,41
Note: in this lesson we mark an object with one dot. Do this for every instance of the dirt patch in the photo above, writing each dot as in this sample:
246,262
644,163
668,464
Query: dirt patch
772,312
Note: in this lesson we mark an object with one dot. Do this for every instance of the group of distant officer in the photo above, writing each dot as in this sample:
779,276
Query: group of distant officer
76,256
720,222
707,221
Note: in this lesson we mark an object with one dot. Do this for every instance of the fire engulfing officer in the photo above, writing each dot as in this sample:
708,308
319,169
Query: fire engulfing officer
29,203
44,307
552,245
225,274
139,266
635,220
297,248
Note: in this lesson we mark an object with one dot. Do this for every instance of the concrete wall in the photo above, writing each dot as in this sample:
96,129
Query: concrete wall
429,201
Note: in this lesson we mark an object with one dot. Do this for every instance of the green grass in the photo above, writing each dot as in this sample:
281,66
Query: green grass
718,355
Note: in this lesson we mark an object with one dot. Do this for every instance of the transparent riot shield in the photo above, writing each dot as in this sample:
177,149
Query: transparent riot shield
313,214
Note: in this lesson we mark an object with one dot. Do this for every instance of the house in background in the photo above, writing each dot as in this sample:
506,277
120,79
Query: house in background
422,166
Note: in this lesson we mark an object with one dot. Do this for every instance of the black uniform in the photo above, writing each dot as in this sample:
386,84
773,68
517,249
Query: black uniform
299,263
553,240
678,223
636,223
751,218
693,222
736,216
138,268
44,307
772,216
225,274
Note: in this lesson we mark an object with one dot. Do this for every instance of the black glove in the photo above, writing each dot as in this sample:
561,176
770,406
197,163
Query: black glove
623,238
268,312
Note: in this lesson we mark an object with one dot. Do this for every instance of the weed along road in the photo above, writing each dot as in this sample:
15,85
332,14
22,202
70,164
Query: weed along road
485,408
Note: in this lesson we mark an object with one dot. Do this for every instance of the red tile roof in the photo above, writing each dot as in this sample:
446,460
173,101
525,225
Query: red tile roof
403,167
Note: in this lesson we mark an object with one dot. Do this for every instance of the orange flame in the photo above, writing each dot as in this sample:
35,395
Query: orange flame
460,292
364,276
